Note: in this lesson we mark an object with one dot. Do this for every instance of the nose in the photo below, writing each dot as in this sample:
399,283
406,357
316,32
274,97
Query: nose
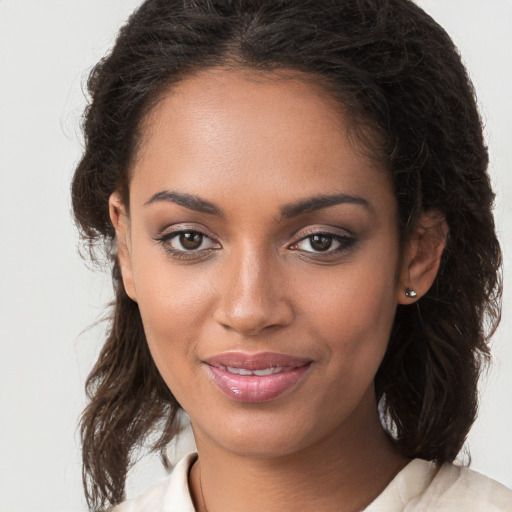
253,295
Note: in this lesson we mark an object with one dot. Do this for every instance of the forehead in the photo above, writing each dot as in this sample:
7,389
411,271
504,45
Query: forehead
237,129
245,99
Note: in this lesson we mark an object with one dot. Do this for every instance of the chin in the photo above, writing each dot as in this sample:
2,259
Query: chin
258,432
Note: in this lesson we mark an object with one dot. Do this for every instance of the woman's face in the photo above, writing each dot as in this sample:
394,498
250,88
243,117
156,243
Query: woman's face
263,252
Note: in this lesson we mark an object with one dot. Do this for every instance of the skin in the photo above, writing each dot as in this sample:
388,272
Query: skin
252,145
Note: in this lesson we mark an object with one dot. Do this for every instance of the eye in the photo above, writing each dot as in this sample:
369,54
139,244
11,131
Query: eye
319,243
189,240
324,243
187,243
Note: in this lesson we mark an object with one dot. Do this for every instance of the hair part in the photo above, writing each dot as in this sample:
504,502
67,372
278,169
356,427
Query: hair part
410,104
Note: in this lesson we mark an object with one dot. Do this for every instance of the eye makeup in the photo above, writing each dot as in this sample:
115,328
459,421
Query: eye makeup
188,243
191,243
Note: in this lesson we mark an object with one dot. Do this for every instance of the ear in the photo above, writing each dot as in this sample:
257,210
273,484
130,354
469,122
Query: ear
422,256
121,223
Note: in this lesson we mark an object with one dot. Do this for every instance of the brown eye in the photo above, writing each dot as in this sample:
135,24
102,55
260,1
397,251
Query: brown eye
191,240
324,243
187,243
320,243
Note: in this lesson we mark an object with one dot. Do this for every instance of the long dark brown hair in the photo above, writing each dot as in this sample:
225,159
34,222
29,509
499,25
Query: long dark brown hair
408,96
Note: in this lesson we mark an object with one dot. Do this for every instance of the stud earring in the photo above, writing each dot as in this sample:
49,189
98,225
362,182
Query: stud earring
410,293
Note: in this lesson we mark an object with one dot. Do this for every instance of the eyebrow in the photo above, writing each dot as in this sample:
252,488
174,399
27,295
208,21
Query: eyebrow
187,200
320,202
290,210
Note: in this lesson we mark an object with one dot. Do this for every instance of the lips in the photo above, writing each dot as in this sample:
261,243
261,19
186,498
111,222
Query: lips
256,377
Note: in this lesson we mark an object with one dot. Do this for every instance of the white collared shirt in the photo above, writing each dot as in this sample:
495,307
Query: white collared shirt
420,487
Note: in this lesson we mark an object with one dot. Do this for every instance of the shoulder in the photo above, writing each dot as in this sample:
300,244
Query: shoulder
169,495
458,488
424,486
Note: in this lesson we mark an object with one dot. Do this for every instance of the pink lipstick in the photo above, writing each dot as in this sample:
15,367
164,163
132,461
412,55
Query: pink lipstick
256,377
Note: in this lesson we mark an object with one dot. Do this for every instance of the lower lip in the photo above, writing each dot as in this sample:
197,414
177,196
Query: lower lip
255,388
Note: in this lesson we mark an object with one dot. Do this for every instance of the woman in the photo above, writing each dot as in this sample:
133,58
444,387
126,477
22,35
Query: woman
295,198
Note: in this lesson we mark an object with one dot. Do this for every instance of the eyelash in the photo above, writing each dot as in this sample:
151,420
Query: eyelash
345,243
183,254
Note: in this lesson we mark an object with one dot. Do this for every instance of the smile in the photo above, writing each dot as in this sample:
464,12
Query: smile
244,371
256,377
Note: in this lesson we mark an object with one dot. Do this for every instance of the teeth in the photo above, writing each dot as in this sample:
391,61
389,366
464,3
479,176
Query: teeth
268,371
238,371
260,373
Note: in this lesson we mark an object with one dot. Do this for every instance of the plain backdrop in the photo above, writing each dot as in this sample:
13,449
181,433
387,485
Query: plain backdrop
48,297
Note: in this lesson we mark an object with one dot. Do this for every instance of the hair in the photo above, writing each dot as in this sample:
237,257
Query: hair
399,76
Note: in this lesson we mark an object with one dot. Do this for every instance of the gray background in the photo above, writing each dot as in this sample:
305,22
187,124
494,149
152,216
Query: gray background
48,297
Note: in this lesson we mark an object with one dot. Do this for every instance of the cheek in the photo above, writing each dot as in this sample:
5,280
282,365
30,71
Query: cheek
351,298
173,306
352,311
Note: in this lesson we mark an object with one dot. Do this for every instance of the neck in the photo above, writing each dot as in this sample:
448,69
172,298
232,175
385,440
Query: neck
343,472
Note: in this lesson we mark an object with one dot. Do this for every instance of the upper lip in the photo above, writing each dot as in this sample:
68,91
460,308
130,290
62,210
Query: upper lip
257,361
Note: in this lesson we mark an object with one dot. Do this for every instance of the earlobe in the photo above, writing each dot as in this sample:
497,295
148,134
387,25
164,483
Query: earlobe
121,223
422,257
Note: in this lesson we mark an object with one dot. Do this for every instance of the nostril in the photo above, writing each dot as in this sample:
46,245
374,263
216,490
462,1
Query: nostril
251,321
247,325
